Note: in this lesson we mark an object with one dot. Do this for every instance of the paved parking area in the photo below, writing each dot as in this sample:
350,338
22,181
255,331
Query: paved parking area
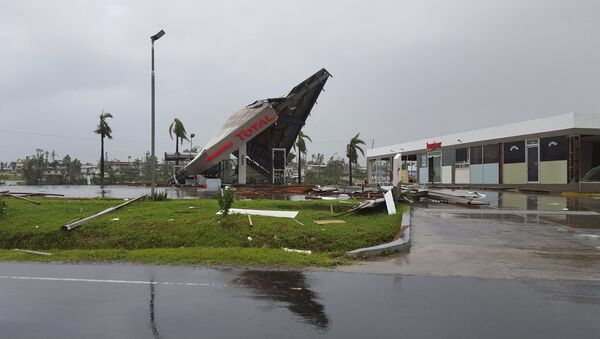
500,245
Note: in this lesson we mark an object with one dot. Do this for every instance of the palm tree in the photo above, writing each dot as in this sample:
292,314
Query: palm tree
178,129
352,154
105,131
300,146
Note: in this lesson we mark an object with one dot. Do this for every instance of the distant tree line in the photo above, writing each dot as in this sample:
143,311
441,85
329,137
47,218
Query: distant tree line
37,169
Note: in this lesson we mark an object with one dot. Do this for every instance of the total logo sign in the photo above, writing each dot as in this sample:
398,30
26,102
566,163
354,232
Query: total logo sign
244,135
255,127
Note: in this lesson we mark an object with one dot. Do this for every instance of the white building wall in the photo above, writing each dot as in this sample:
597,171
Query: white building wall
461,175
447,174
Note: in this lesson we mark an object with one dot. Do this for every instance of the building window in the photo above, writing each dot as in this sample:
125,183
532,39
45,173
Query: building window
514,152
491,154
555,148
462,155
423,158
448,157
462,158
476,155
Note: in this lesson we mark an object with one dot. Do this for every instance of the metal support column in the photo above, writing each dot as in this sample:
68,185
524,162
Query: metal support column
242,164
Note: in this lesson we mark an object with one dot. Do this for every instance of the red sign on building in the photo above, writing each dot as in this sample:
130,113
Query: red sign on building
433,145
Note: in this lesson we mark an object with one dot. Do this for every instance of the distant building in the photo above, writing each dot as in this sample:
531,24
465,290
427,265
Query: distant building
89,172
553,153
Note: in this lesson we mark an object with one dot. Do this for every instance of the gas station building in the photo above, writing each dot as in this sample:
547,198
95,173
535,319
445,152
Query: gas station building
553,154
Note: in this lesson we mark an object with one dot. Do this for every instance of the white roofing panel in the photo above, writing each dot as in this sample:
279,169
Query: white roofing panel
554,123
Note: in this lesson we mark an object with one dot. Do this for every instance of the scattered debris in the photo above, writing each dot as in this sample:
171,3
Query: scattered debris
267,213
389,202
249,238
23,195
115,219
250,220
326,222
21,198
267,191
367,205
29,194
297,251
83,221
298,222
469,199
33,252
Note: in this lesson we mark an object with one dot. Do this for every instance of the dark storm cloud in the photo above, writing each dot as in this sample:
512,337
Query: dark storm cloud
402,69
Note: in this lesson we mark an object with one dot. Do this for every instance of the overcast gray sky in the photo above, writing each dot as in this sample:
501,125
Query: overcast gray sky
402,70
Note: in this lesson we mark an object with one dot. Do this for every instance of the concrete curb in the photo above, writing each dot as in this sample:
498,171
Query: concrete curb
401,244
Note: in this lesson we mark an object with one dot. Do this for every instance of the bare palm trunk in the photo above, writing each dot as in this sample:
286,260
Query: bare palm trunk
350,171
101,161
299,170
176,150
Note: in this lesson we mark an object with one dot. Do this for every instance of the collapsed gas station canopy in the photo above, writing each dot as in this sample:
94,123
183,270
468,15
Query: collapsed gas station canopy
261,126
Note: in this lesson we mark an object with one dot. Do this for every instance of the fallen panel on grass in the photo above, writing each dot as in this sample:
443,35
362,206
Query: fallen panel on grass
389,202
266,213
33,252
297,251
326,222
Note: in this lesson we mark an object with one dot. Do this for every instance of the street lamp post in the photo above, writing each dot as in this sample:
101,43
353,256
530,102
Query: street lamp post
191,138
153,159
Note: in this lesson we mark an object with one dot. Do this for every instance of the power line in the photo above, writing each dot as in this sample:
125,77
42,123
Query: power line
76,137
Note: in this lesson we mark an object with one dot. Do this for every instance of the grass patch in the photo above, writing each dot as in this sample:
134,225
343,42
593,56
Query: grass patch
188,232
183,256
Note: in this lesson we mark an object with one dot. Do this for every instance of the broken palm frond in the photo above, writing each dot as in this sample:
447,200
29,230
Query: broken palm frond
33,252
297,251
83,221
266,213
326,222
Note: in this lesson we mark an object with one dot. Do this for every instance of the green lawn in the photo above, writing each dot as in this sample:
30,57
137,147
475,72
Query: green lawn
188,232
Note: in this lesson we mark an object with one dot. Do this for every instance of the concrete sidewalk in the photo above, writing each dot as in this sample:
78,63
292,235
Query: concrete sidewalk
489,245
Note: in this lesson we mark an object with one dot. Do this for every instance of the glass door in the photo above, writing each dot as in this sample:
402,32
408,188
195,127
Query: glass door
435,166
533,160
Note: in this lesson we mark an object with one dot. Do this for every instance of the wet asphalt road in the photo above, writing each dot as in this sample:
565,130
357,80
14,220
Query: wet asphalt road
120,301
